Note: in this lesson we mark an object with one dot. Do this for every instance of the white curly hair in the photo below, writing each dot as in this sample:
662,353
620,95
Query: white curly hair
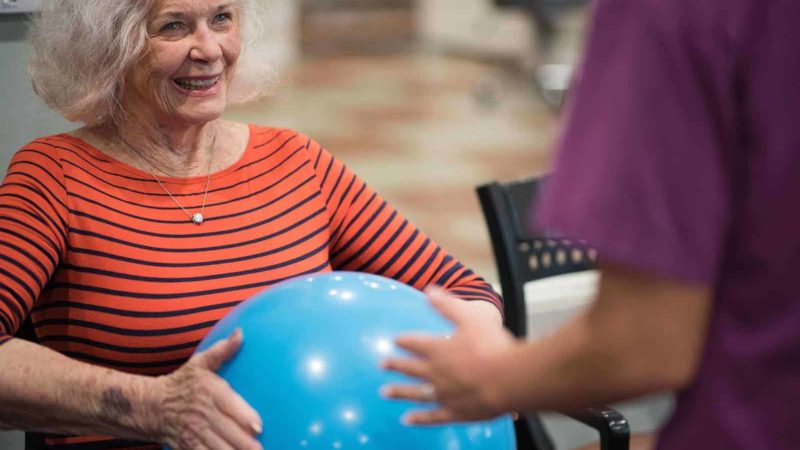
83,49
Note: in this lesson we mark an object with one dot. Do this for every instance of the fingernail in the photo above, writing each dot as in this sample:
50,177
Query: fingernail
256,428
385,391
407,420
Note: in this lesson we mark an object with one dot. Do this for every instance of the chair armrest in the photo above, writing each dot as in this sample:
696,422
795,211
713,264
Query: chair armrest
614,430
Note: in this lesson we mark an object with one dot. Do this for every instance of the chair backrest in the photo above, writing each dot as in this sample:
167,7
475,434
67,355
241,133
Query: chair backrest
524,254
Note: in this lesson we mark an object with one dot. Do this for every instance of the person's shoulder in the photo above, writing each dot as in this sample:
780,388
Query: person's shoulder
272,139
41,159
678,15
266,133
49,147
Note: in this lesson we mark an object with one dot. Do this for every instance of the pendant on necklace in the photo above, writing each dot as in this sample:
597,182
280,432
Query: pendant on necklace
197,219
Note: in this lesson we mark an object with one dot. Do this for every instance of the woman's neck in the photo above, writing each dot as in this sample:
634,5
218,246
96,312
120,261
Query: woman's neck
166,151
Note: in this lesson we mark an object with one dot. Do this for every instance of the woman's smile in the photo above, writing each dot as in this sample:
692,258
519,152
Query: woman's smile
198,86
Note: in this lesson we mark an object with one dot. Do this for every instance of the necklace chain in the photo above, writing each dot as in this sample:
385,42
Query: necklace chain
197,218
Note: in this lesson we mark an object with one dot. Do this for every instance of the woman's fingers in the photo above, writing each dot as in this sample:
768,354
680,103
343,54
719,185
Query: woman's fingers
212,440
200,409
208,408
223,350
234,434
232,405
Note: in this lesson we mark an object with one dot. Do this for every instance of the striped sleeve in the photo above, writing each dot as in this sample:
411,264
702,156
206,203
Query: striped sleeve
368,235
32,231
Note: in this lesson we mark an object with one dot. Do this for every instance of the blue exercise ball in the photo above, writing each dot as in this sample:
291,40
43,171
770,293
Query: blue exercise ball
310,365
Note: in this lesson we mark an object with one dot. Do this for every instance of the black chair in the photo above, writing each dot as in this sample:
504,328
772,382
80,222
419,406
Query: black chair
33,441
521,257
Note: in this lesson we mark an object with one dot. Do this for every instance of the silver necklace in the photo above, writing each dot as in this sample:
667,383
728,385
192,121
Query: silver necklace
196,218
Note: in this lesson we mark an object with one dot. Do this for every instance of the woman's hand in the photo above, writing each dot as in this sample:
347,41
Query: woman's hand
456,371
199,410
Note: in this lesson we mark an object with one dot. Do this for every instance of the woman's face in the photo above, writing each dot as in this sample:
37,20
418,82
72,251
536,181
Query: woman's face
192,52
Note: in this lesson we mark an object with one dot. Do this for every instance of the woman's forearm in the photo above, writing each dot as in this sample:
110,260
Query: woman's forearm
42,390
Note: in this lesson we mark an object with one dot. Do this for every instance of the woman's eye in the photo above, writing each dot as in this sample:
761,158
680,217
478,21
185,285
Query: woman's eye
172,27
222,17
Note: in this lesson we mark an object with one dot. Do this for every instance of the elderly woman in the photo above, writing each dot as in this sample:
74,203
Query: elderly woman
127,239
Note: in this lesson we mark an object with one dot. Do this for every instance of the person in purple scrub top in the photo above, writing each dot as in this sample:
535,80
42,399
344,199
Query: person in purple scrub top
680,163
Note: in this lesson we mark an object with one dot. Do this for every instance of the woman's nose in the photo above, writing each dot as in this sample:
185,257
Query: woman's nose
206,46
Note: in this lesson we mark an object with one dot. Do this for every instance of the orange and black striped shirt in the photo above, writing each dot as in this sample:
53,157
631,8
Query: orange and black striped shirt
112,272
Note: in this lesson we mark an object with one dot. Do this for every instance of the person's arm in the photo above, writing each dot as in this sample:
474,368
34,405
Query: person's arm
643,334
42,390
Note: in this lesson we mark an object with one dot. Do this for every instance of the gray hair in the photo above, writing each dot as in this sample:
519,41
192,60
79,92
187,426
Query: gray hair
83,50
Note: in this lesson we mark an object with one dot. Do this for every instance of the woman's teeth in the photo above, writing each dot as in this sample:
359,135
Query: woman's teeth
196,85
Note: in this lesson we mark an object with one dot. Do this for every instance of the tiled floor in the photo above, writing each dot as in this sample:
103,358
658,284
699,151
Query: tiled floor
421,129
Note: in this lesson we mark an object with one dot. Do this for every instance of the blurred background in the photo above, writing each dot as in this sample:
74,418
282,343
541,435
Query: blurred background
424,99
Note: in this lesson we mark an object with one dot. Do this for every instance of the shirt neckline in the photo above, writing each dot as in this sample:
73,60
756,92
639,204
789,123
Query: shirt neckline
89,148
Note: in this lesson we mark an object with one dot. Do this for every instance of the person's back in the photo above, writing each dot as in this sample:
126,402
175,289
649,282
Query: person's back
684,127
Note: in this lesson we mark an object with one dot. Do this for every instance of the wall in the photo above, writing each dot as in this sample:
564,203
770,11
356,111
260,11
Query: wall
22,115
282,32
475,27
